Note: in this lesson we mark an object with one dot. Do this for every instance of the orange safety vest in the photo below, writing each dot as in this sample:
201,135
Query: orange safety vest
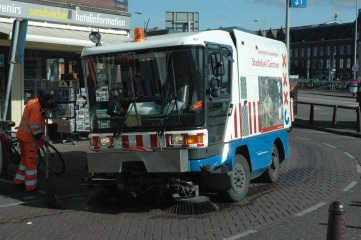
32,122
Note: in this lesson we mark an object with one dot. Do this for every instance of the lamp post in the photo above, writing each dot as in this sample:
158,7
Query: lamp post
264,23
355,46
332,66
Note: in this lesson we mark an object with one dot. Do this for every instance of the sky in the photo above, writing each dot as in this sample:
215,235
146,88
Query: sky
241,13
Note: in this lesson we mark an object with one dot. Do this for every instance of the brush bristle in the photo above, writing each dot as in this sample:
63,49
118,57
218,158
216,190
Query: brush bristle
192,206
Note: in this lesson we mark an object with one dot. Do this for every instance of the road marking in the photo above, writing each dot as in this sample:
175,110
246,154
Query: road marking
244,234
304,138
351,185
358,168
308,210
11,204
349,155
329,145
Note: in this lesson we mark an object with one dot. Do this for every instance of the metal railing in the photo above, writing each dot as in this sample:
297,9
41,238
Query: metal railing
334,116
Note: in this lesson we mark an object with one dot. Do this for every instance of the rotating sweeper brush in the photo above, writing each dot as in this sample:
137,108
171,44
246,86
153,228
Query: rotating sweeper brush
188,201
192,205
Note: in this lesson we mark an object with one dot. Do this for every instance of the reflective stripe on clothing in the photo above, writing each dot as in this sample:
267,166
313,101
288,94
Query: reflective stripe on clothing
22,167
20,177
24,127
30,184
31,172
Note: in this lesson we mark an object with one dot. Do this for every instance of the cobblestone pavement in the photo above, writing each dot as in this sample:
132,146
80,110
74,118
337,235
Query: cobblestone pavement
323,168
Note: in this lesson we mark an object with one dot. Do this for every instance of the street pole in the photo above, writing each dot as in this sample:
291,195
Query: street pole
11,68
355,47
288,33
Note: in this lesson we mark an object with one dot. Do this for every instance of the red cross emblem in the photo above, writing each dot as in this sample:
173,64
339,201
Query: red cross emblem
285,79
284,63
285,95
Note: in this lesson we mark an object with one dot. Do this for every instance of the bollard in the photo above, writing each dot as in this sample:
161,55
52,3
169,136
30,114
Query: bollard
311,114
336,221
334,117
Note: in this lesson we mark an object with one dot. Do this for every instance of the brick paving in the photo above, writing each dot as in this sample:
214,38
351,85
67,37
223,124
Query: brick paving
270,211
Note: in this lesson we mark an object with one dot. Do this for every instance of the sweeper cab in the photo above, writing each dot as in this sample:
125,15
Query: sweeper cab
188,112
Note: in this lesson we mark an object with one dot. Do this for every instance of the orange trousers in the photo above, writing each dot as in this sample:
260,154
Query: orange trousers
27,172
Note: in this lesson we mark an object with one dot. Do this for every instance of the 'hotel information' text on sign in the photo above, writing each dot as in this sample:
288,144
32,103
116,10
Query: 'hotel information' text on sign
62,15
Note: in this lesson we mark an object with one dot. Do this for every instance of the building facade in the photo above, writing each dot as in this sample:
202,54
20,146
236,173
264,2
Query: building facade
323,51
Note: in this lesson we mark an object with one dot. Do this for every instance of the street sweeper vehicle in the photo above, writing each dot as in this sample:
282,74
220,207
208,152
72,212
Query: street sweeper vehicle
183,112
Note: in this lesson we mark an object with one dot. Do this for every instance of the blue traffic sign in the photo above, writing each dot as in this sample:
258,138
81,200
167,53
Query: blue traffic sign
298,3
354,68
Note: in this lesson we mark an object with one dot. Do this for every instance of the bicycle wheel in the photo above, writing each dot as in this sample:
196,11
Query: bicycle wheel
56,162
15,151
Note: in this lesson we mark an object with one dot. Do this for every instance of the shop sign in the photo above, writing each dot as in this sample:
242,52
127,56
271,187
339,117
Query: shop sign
45,13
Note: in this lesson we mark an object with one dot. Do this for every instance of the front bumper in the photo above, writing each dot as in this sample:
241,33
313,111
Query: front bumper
166,161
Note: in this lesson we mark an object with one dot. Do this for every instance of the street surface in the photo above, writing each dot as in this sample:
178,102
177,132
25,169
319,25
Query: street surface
323,167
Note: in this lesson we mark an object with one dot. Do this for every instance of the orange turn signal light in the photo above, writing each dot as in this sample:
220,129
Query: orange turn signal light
195,139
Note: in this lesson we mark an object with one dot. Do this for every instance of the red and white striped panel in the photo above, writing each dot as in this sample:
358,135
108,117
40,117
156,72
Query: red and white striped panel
140,140
237,122
254,117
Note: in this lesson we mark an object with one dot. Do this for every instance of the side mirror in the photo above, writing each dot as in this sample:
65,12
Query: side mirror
215,86
217,64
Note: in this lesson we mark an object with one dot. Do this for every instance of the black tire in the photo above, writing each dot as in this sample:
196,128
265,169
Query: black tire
56,161
239,179
273,170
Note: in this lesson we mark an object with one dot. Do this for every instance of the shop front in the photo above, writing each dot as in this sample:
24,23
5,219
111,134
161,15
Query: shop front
54,41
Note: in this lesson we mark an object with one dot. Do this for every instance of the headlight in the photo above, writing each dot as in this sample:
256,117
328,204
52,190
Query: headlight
107,141
177,139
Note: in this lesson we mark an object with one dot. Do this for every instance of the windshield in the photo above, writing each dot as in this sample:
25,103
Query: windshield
146,90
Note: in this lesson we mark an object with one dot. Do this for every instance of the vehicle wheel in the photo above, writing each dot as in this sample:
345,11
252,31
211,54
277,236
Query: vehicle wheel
239,179
273,170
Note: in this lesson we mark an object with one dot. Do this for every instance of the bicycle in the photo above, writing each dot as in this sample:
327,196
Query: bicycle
12,152
55,161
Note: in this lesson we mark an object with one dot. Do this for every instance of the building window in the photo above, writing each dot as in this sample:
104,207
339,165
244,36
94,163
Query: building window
341,50
348,63
328,64
314,64
348,49
321,51
302,53
320,64
328,51
308,52
315,51
341,63
334,49
295,52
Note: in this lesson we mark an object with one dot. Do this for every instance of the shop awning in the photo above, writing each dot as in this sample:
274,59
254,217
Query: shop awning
63,35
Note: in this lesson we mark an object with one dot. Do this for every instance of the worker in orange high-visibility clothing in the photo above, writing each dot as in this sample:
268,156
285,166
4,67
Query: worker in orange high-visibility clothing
31,136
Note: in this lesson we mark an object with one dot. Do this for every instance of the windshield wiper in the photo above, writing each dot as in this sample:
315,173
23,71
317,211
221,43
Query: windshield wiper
170,106
134,104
